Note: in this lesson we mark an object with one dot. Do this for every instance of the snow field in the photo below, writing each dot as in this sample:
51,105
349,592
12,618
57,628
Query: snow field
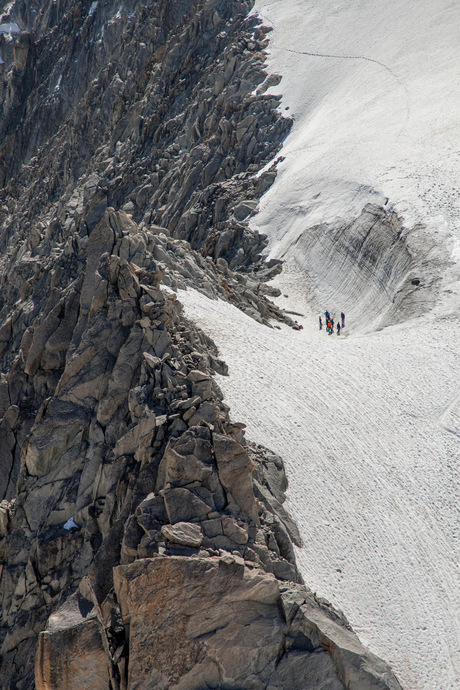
373,484
375,105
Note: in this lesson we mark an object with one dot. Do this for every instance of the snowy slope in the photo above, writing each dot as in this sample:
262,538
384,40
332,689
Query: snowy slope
370,452
380,110
367,423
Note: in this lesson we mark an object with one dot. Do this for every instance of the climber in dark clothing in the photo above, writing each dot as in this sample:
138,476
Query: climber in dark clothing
326,314
342,316
320,323
338,328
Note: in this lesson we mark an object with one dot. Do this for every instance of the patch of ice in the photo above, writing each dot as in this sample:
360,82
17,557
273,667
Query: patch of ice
71,524
10,28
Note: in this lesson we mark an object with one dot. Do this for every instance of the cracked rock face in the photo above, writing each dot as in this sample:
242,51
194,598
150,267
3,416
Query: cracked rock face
143,539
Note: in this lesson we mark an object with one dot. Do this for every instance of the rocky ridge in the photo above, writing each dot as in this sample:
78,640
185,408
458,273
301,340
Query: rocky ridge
173,111
135,513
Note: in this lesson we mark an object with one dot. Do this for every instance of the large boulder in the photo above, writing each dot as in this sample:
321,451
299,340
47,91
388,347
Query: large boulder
215,624
184,533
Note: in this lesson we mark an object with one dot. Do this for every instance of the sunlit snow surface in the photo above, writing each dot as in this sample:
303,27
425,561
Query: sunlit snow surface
370,442
368,425
380,111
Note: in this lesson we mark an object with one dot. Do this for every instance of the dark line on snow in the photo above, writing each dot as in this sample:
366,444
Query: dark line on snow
342,57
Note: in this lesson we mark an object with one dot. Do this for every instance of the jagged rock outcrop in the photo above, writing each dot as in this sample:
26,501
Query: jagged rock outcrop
135,512
165,123
131,442
213,622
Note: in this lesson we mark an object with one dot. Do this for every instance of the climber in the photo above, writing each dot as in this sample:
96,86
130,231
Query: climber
338,328
342,316
320,323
